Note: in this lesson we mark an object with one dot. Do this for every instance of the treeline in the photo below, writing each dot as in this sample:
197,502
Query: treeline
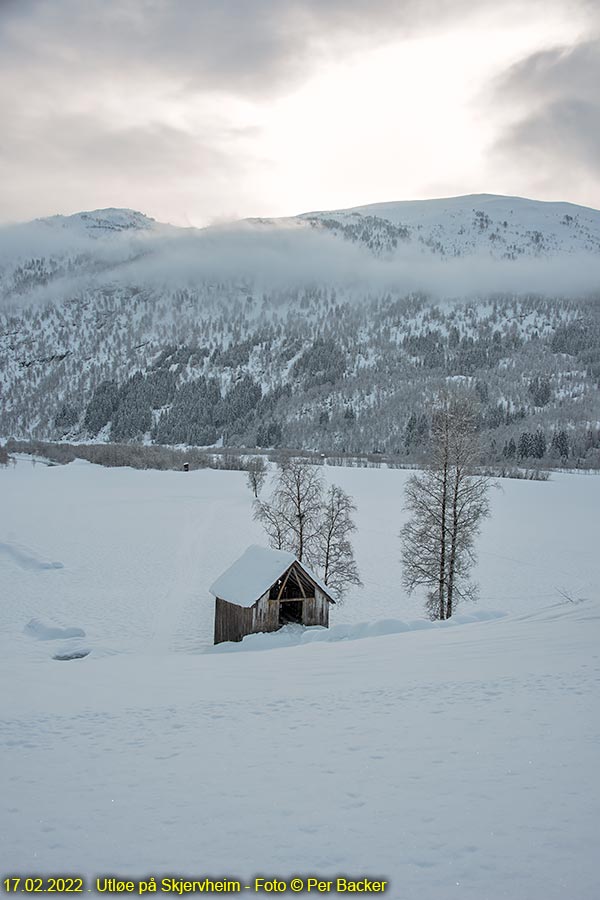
577,446
153,456
135,456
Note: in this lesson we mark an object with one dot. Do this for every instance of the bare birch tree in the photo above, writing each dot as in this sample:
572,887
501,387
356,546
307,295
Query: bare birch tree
335,554
447,504
257,472
274,521
293,517
314,526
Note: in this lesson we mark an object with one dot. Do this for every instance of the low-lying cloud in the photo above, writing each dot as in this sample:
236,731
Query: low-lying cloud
267,258
298,256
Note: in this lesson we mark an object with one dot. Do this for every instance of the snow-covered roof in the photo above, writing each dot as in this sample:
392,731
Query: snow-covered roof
253,574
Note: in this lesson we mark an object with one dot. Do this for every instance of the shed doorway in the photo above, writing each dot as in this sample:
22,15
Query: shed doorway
290,611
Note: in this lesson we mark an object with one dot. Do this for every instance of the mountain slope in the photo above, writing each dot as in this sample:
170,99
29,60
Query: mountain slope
311,331
503,227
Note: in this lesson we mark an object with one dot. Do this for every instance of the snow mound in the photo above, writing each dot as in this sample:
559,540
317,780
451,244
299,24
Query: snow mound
27,559
80,653
43,632
293,635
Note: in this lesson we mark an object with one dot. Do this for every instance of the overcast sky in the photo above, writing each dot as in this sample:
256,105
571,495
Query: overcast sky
200,110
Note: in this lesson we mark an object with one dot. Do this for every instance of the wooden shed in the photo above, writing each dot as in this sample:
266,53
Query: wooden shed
265,590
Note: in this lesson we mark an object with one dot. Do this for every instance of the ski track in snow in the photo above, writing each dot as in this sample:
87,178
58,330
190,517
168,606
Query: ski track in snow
26,558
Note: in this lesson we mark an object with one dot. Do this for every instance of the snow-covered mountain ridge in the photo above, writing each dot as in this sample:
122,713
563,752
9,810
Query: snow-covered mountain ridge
400,244
503,227
100,222
313,331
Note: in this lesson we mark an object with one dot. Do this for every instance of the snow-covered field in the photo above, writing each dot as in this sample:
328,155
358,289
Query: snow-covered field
452,761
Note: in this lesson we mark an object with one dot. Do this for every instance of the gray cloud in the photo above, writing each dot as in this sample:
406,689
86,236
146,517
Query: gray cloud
64,146
73,159
556,131
149,148
242,46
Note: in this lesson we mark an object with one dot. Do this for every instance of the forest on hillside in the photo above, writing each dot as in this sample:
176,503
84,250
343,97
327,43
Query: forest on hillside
312,369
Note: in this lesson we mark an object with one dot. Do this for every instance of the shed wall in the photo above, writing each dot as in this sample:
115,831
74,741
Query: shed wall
316,610
265,614
233,622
